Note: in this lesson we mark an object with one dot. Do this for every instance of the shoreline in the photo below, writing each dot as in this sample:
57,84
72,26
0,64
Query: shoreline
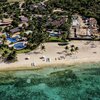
50,65
85,54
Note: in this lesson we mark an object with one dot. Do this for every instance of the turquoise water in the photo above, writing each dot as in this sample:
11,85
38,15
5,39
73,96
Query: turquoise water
76,82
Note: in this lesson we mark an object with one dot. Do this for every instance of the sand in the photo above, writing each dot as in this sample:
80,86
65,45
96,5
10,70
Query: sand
86,53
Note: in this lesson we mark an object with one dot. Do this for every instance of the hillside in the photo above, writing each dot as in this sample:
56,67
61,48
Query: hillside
89,8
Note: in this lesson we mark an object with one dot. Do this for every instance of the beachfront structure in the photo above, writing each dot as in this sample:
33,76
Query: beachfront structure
93,22
93,25
75,24
88,32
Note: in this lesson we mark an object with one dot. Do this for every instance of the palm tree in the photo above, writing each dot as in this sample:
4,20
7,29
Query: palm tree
72,50
11,57
4,38
0,28
4,54
66,48
42,47
72,46
76,49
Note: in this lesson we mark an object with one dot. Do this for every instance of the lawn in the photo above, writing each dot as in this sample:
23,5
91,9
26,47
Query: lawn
55,39
23,51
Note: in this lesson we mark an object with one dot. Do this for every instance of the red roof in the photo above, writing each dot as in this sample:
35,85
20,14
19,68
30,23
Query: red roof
1,33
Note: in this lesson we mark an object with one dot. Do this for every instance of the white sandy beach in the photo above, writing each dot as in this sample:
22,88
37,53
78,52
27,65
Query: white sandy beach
85,54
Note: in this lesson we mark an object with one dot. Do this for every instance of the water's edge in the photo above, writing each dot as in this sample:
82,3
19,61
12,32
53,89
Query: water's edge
74,82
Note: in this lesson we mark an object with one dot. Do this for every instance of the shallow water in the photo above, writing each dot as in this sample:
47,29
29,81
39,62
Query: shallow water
76,82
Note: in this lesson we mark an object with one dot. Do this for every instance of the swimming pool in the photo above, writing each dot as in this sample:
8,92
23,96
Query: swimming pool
19,46
12,39
54,35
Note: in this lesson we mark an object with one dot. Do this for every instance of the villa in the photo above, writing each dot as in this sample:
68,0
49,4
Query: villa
93,25
57,22
75,25
15,30
83,27
24,19
4,23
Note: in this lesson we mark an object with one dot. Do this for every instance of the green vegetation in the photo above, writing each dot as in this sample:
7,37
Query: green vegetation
55,39
89,8
23,51
9,56
41,18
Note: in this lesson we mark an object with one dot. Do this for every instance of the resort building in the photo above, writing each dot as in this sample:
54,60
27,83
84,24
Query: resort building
24,19
15,30
93,26
75,25
57,22
5,22
93,22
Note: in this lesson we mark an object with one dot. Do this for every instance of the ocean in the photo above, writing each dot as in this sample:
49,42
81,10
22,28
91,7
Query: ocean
73,82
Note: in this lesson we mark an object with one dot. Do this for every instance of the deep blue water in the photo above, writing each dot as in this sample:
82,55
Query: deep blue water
76,82
12,39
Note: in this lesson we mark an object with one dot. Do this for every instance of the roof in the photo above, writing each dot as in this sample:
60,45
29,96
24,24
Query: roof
14,30
75,23
58,22
24,19
28,32
93,20
1,33
74,17
5,23
33,6
57,10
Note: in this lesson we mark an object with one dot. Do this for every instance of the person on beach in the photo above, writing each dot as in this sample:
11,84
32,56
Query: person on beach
55,58
33,64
